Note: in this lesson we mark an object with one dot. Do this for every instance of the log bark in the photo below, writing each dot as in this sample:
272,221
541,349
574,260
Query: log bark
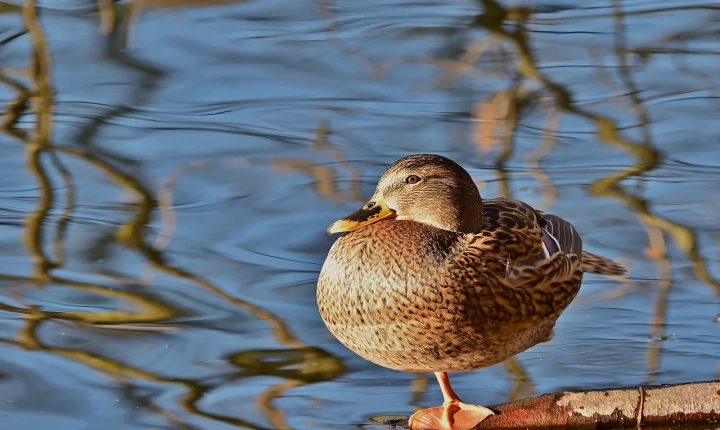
661,405
696,403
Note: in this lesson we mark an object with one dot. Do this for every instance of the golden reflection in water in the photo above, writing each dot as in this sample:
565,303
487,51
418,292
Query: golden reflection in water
522,384
325,180
116,16
495,121
418,385
548,191
296,365
119,17
646,155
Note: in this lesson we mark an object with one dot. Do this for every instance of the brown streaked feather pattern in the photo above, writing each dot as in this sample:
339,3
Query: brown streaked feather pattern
433,297
511,229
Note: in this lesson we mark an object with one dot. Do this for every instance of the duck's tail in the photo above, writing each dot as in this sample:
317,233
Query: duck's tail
592,263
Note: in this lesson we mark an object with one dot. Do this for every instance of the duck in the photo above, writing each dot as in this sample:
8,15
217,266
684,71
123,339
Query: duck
430,277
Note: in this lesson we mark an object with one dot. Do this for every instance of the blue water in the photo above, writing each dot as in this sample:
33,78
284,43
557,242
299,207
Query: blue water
206,148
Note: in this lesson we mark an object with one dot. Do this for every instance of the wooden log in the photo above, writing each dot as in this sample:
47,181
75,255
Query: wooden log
660,405
689,403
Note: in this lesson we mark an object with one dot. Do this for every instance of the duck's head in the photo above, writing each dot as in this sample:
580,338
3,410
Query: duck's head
426,188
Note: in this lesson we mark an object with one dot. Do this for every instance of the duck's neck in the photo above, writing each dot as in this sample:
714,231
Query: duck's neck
469,217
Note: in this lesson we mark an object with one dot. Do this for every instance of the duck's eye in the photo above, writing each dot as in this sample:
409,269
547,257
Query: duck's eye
412,179
370,205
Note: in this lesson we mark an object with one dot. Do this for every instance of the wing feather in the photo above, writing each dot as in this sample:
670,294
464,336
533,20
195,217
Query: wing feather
568,238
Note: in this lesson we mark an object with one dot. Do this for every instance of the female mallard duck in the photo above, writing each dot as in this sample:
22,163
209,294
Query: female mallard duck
431,278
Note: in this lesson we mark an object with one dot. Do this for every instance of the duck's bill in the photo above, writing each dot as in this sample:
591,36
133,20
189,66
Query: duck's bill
362,218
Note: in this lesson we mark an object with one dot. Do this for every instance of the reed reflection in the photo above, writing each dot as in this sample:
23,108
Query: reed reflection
296,363
504,53
497,118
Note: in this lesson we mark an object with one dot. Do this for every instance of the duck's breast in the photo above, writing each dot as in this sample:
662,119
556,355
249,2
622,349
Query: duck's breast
382,292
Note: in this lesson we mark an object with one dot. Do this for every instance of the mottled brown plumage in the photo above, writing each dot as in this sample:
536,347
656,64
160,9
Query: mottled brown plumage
431,278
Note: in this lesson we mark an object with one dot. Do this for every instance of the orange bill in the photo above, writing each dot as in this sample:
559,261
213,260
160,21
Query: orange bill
378,210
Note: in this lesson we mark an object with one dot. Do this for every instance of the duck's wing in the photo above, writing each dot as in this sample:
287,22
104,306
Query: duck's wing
524,266
523,247
564,233
551,283
525,235
513,291
512,230
554,233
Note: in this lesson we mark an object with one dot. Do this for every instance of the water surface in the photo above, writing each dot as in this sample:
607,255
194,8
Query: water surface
169,172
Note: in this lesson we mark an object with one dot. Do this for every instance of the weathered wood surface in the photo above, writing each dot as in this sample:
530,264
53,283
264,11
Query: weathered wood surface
661,405
690,404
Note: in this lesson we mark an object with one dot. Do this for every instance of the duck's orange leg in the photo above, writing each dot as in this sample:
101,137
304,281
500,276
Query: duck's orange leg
452,415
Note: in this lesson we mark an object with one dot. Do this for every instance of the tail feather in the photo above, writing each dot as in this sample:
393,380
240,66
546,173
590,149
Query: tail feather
592,263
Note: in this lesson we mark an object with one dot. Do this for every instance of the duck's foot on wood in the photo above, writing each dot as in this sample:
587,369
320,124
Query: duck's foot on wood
452,415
